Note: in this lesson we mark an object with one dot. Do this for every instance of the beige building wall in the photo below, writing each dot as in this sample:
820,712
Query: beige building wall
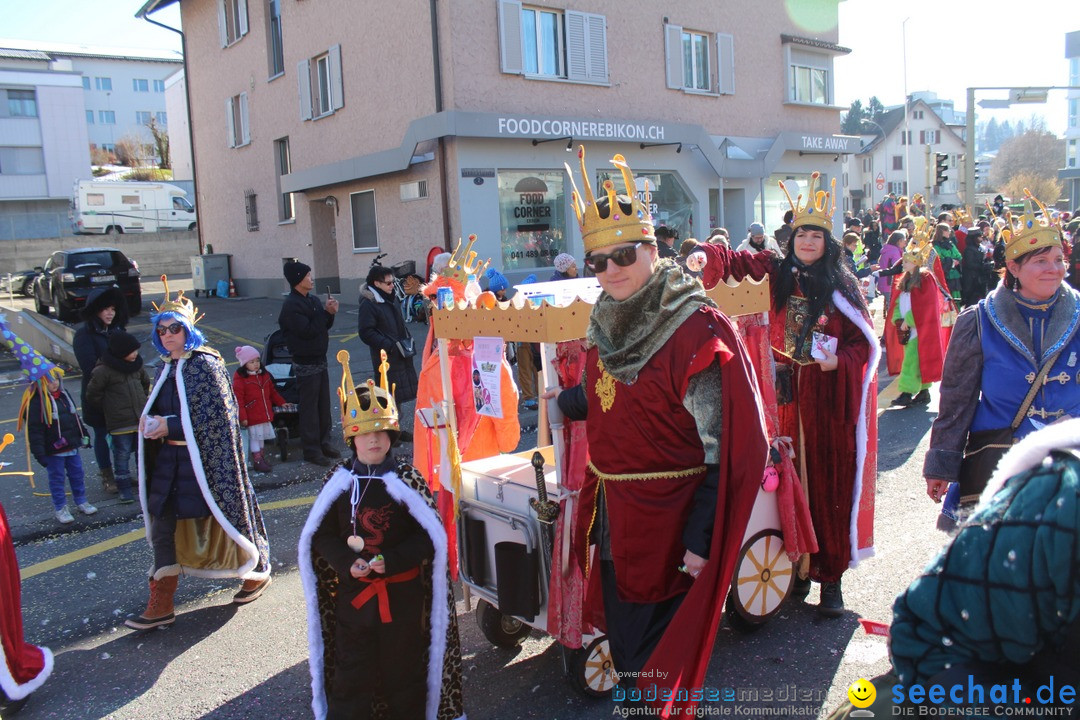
638,85
388,75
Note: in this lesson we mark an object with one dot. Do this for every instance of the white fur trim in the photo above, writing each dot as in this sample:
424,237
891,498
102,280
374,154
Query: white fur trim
861,430
245,545
1031,451
14,690
339,483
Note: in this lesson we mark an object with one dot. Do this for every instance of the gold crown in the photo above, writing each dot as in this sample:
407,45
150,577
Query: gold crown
179,305
1028,232
918,251
599,232
818,209
375,411
463,263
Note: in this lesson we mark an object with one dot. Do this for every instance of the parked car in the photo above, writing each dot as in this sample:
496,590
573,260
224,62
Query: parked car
20,282
70,275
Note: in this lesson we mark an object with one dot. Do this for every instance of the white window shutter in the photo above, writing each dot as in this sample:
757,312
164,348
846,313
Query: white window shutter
510,36
673,55
223,29
242,18
245,128
229,122
725,58
596,35
337,87
303,77
577,67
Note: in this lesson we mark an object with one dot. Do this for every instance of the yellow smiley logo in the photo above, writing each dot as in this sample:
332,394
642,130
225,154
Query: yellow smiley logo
862,693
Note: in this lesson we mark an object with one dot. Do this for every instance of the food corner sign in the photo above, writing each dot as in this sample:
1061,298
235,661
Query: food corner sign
540,127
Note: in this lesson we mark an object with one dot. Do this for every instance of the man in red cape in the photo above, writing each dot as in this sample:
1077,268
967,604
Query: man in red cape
677,451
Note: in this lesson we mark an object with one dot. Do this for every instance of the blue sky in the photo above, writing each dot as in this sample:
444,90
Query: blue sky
951,44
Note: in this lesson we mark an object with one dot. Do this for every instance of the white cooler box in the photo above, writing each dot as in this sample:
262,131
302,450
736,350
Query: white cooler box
498,530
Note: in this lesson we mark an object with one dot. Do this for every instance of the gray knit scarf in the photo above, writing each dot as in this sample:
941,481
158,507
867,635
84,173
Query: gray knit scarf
628,333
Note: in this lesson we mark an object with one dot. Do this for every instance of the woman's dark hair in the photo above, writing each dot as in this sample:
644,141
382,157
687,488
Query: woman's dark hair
377,273
817,281
896,237
1011,281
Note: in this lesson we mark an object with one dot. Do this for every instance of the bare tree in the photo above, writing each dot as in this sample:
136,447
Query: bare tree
161,144
133,152
1037,152
1048,190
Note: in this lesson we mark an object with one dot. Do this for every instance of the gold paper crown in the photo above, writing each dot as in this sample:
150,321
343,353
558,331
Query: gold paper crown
374,412
463,263
921,244
818,209
179,305
599,232
1029,233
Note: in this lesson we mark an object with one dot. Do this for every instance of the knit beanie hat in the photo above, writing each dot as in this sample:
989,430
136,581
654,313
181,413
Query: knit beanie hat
757,229
563,261
295,271
246,353
496,280
122,344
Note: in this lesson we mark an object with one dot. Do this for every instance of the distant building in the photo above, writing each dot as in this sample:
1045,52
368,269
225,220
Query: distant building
44,147
1070,174
179,133
122,88
881,166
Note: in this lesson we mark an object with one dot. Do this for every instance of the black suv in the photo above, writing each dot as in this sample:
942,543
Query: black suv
70,275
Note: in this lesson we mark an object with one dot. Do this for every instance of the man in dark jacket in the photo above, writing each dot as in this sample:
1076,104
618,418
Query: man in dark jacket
976,269
306,324
382,327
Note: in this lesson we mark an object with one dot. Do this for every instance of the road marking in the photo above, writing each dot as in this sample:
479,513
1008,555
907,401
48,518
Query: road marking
129,537
887,394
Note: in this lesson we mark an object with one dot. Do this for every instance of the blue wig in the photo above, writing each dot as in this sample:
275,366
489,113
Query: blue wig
195,338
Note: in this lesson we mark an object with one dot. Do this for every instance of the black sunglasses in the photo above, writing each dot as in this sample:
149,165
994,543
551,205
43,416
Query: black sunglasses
174,329
623,257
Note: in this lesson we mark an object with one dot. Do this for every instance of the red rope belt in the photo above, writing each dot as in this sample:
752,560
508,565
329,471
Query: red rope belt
377,588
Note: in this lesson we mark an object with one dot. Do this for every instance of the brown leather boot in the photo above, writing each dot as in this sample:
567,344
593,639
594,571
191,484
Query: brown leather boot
159,610
108,480
258,461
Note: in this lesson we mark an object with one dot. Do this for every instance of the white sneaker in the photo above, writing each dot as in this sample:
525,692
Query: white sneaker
86,508
64,516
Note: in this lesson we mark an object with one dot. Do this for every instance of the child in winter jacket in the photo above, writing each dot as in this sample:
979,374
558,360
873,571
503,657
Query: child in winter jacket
119,386
56,433
256,397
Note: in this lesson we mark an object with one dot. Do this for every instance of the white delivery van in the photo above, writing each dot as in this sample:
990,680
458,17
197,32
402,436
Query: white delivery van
105,207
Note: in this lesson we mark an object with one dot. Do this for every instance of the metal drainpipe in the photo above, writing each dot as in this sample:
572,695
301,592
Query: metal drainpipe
191,132
443,174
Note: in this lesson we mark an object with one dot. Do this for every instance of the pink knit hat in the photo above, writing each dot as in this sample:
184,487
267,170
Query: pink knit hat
246,353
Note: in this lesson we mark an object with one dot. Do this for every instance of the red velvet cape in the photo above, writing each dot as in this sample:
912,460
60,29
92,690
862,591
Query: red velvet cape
25,667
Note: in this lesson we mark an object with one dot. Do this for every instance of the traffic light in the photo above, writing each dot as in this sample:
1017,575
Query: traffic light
941,166
978,173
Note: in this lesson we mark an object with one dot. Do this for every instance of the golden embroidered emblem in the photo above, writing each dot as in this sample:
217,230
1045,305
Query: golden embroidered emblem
605,387
797,310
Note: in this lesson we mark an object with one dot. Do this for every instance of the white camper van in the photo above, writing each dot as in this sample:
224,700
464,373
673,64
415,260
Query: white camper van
105,207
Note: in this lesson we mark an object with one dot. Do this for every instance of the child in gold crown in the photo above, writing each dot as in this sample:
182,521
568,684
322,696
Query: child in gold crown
382,627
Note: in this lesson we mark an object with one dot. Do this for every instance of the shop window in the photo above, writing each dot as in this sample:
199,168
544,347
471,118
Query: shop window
232,20
551,43
775,202
669,204
532,218
365,228
321,86
699,62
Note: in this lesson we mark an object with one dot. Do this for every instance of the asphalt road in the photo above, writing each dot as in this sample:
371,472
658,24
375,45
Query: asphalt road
220,661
